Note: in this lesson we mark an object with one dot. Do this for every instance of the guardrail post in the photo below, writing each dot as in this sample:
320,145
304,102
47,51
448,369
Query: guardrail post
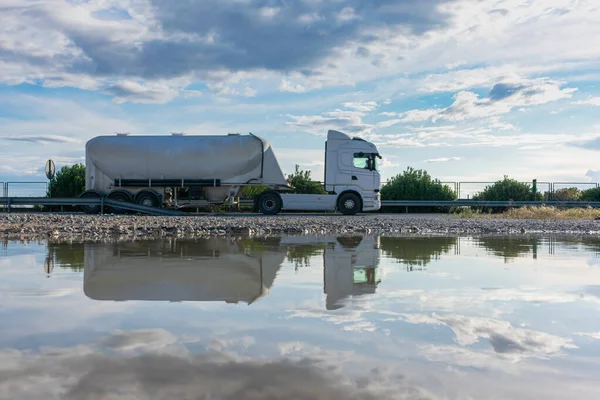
534,189
8,207
101,205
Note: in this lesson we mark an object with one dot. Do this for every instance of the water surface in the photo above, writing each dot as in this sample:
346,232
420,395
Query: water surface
302,317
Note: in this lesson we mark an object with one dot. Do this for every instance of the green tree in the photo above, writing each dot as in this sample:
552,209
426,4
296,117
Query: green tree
590,195
507,189
416,185
68,182
302,182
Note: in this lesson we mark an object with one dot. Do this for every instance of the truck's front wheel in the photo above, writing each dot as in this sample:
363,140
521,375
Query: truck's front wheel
269,203
349,204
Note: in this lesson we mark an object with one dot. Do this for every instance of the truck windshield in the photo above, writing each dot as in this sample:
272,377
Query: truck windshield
366,161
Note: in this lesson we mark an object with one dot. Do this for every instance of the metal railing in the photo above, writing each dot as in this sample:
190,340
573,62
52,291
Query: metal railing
24,189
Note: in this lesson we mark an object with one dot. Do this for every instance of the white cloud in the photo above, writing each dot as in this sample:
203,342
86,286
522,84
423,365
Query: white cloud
269,12
249,92
346,14
287,86
593,175
136,92
442,159
592,335
346,121
42,139
593,101
502,98
367,106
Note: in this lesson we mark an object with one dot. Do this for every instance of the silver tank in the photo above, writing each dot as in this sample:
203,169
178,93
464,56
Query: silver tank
234,159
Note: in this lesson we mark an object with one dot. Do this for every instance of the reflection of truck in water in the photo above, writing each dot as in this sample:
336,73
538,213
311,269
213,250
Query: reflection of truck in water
195,171
173,270
223,270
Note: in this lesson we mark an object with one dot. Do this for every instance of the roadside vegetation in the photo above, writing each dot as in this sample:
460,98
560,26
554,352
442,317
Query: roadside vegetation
68,182
530,212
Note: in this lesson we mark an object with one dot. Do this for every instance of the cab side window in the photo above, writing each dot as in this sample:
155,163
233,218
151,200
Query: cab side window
362,160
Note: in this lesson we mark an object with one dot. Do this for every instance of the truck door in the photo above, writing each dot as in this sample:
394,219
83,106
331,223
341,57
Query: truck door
355,170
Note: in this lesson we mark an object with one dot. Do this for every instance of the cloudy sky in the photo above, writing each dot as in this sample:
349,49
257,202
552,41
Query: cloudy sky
466,89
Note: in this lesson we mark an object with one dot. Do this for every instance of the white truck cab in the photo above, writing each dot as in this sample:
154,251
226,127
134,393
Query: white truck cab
352,180
352,165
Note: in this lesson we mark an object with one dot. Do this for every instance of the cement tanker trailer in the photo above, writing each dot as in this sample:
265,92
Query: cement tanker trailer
180,171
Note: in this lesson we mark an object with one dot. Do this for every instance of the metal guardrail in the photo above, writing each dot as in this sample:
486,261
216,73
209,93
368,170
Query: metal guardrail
102,202
9,202
478,203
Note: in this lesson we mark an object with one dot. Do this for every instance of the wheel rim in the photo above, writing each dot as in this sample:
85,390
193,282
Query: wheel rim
349,204
147,202
269,204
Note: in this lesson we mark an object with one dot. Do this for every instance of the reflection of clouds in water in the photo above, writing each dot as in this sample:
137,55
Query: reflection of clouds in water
146,339
350,318
594,262
507,341
366,316
89,372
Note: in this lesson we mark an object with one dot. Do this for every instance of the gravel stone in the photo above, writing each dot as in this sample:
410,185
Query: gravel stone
140,227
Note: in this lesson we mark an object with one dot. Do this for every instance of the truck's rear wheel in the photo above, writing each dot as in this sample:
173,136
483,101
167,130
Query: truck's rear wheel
91,194
147,198
119,195
269,203
349,204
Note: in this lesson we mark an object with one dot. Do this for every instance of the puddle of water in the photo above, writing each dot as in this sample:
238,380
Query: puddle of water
302,317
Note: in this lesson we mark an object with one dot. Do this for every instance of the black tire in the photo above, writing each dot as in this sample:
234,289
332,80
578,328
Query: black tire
148,199
91,209
119,196
349,204
269,203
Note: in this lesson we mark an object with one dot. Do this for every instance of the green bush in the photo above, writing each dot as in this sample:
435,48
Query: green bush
590,195
68,182
566,194
248,192
506,190
302,183
416,185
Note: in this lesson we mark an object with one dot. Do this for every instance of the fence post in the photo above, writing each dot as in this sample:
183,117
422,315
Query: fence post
534,189
8,208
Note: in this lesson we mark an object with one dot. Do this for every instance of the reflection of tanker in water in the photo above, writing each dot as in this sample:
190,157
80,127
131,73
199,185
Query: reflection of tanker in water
349,264
180,270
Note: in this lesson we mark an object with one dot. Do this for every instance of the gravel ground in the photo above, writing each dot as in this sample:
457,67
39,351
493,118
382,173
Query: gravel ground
85,226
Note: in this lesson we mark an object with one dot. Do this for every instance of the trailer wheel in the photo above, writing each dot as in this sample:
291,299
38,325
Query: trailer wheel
119,195
349,204
269,203
91,194
147,198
